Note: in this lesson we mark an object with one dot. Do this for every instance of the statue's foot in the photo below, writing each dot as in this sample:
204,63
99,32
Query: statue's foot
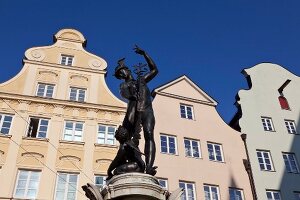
151,170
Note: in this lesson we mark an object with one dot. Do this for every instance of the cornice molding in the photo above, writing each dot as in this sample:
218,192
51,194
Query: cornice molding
185,98
71,68
61,103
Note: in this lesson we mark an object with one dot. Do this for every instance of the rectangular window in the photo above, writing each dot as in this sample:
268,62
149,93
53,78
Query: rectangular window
77,94
192,148
211,192
290,162
163,183
297,195
273,195
186,111
5,123
267,124
38,128
100,181
45,90
27,184
264,160
188,190
67,60
168,144
106,134
291,126
236,194
73,131
66,186
215,152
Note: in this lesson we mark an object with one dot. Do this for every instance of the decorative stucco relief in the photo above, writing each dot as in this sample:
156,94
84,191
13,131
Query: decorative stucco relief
94,63
31,159
36,54
79,80
48,76
102,165
69,162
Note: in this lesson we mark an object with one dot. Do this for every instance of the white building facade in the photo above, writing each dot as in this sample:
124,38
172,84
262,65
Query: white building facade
268,113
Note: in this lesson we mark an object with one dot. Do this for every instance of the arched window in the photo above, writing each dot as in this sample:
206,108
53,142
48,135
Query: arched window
283,103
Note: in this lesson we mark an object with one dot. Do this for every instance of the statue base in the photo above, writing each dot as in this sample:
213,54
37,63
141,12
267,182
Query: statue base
134,186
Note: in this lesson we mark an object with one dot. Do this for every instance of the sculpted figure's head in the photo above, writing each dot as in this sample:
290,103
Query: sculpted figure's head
122,71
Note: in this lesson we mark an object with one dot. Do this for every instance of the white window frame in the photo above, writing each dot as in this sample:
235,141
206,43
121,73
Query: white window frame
165,181
185,110
2,121
289,162
192,147
77,94
47,85
185,191
210,191
290,125
68,57
106,134
168,144
39,125
265,164
272,192
235,190
73,130
267,124
104,180
27,183
67,184
215,152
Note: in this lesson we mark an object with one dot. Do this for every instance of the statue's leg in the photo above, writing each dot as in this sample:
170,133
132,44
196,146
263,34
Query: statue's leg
148,122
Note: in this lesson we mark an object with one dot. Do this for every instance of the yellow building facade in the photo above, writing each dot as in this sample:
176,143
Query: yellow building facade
57,125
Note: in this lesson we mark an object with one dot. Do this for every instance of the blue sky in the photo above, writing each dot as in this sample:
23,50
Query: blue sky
209,41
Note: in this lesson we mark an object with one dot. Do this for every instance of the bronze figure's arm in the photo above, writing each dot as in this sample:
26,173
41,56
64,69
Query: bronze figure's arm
152,66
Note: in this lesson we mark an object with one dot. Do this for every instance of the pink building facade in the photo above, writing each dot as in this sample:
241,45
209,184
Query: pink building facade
196,149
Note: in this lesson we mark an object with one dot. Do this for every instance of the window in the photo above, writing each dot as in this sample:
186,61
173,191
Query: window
67,60
267,123
186,112
283,103
291,126
66,186
264,159
168,144
77,94
27,184
45,90
163,183
191,148
290,162
273,195
73,131
38,128
5,123
236,194
100,181
297,195
188,191
106,134
211,192
215,152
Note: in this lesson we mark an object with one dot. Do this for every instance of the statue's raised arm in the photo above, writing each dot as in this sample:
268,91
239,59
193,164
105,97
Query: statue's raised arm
152,66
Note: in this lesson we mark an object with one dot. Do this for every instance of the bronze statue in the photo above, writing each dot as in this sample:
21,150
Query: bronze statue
139,114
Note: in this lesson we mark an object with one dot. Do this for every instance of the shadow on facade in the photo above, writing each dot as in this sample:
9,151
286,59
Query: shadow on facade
290,182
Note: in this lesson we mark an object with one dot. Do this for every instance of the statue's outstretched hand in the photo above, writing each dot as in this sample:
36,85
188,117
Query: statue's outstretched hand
138,50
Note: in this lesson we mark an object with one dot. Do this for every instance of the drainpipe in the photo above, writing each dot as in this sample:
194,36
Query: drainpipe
248,168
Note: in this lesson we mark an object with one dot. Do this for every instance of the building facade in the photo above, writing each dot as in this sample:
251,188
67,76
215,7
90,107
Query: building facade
196,149
58,119
269,114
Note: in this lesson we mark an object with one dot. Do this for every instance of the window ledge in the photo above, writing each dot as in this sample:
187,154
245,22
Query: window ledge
106,145
171,154
5,136
191,157
37,139
71,142
216,161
